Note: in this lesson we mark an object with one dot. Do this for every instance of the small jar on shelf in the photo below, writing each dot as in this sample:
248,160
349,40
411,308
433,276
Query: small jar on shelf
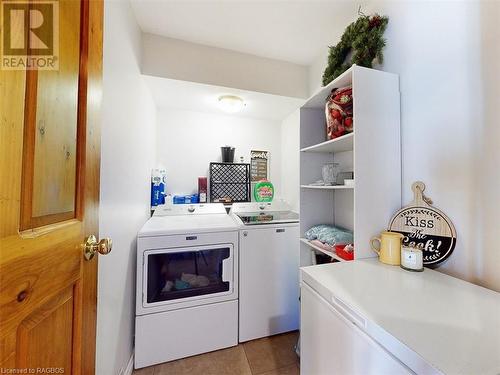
330,172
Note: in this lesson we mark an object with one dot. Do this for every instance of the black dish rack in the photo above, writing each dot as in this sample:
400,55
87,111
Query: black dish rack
229,182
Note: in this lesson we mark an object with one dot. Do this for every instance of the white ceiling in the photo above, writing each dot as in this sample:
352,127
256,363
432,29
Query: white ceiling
289,30
169,93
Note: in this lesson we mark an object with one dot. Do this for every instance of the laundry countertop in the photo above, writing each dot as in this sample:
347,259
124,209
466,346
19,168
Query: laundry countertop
431,321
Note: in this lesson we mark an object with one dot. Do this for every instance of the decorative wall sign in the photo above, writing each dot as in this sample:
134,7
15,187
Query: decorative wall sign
258,165
425,227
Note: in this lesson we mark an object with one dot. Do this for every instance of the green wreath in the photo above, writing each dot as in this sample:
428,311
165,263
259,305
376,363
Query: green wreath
364,38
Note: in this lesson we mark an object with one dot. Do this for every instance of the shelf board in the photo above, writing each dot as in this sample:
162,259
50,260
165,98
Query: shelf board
329,253
319,98
340,144
328,187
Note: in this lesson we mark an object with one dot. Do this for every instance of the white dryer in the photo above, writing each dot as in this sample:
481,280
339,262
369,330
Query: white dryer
268,269
187,283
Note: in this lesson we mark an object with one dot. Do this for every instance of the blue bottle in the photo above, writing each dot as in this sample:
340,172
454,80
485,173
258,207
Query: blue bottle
158,182
179,199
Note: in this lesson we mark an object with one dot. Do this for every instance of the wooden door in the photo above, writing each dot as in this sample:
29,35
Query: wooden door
49,180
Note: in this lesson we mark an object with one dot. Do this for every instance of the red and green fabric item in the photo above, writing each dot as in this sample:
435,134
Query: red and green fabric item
338,112
263,191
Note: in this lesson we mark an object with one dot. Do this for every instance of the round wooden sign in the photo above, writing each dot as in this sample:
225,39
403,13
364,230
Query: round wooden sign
425,227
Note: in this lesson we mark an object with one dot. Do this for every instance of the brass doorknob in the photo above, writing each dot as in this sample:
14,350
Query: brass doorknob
91,246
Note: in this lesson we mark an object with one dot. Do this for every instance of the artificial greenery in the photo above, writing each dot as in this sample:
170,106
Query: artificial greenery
364,38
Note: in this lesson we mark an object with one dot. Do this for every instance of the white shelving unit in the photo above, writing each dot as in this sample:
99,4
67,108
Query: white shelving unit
326,187
372,152
317,248
340,144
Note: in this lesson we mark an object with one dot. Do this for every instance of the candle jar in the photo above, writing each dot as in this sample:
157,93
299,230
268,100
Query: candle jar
412,259
330,172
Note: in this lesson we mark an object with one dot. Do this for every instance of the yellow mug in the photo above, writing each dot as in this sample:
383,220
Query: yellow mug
389,249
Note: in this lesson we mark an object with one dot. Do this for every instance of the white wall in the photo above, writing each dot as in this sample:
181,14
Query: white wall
318,66
184,61
187,141
447,56
127,156
290,159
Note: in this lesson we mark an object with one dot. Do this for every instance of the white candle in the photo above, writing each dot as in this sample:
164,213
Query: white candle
412,259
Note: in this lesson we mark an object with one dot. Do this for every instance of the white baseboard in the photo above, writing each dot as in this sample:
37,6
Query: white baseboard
130,366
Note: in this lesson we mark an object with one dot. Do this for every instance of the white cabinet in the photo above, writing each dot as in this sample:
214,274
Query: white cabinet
372,152
331,343
269,281
355,313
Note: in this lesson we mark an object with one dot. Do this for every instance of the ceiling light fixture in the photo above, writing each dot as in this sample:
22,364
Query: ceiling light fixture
231,103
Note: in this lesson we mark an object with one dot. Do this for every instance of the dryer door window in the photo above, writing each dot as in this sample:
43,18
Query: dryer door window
188,273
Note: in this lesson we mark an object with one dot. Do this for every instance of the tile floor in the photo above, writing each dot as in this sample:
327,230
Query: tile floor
268,356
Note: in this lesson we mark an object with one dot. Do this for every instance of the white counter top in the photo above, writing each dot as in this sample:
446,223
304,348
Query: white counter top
434,322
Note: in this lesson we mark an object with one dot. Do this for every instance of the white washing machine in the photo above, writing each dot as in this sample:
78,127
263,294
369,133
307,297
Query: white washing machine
187,283
268,268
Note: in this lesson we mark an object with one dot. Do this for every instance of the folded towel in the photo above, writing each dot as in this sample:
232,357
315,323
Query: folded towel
329,234
169,285
179,285
195,280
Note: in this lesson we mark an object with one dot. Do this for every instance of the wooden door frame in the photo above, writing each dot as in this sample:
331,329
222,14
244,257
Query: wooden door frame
94,65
